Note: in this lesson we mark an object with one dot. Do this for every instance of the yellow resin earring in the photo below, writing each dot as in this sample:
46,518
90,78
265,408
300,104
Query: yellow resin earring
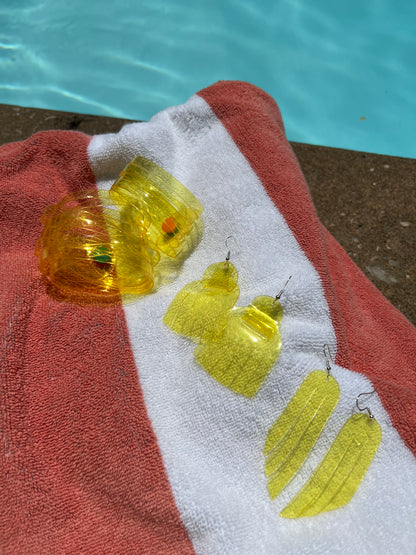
199,305
295,432
341,471
243,347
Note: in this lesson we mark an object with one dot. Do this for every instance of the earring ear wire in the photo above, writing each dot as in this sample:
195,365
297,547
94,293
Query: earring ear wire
227,258
362,409
277,297
328,359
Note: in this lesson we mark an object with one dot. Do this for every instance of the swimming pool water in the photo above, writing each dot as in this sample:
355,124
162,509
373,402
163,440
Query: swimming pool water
343,73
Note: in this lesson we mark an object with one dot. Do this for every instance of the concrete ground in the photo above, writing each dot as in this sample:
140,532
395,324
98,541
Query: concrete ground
367,201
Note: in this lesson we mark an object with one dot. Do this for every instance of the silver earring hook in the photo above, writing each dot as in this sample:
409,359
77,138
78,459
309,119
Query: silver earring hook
362,409
227,258
328,359
277,297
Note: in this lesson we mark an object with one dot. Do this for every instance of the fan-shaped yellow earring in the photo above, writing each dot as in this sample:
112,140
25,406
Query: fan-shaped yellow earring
200,305
242,348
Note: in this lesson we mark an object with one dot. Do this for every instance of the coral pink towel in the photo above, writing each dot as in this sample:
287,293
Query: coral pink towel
113,438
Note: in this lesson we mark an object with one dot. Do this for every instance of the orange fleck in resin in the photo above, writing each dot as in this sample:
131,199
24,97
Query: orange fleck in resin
170,226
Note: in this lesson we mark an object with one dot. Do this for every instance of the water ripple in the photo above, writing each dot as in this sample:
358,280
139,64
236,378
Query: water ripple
327,63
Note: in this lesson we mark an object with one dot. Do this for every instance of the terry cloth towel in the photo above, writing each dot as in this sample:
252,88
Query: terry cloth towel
113,438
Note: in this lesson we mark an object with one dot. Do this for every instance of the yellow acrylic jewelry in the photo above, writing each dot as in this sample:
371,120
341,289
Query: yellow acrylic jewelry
173,209
87,248
296,431
199,306
243,346
338,476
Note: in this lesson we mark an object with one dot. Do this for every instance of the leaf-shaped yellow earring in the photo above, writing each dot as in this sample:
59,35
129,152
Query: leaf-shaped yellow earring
338,476
296,431
199,305
243,347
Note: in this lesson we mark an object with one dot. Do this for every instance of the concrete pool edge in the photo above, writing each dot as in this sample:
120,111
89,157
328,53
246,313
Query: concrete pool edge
367,201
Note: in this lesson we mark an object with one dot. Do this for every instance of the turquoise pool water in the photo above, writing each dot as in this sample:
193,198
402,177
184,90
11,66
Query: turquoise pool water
343,73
